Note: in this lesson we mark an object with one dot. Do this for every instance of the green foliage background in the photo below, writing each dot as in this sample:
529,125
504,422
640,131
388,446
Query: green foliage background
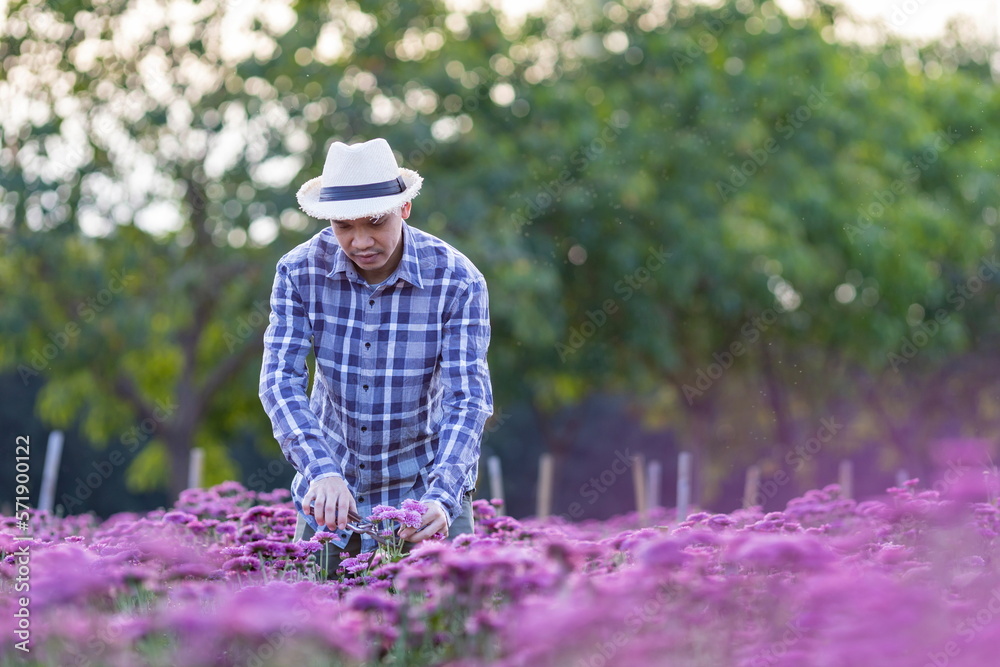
559,153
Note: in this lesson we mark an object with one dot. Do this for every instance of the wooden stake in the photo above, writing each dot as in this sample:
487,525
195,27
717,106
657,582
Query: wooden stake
654,476
846,478
683,485
496,482
545,473
750,486
639,481
50,473
196,463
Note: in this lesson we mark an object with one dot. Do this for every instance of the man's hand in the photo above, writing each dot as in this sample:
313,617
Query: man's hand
329,500
434,521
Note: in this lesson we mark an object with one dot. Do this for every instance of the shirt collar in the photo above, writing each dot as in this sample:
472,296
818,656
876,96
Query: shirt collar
409,263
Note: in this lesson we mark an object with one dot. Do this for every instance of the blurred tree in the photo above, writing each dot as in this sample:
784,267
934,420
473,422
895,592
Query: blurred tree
137,192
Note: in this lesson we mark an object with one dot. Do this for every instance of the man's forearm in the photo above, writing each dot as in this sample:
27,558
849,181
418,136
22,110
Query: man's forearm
468,401
458,456
283,380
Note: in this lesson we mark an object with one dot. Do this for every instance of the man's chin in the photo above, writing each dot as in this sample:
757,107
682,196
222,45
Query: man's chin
367,263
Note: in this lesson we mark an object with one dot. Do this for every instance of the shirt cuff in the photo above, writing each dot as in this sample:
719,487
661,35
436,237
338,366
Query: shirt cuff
321,472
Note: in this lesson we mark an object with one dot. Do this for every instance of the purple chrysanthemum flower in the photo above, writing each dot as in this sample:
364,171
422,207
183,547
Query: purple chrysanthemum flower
309,547
355,564
242,564
483,509
229,488
234,551
384,513
257,512
265,547
411,505
197,527
410,518
322,537
226,529
368,602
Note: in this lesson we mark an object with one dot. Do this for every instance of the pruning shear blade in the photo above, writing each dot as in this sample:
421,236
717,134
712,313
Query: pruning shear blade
359,525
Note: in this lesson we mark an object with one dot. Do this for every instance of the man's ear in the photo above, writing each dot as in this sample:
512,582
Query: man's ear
404,211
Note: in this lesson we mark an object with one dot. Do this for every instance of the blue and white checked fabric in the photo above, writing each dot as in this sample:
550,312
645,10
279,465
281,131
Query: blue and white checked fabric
401,391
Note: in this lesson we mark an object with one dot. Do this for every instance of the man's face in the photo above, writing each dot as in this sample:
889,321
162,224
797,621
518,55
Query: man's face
374,245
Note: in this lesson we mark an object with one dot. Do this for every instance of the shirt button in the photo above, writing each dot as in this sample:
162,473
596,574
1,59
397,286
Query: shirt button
364,428
362,466
361,499
367,345
371,302
365,387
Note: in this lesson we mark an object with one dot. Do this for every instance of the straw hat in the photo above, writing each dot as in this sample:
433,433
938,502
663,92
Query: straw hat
358,181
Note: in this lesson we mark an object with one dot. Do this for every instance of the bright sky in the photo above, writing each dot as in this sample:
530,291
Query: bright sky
924,19
920,19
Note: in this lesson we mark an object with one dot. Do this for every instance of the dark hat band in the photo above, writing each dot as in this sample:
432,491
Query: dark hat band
349,192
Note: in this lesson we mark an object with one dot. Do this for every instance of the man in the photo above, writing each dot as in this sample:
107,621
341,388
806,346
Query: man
398,322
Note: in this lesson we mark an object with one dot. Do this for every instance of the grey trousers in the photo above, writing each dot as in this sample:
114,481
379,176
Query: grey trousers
463,525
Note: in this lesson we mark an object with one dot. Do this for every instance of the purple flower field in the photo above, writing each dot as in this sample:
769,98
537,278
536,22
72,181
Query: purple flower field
907,579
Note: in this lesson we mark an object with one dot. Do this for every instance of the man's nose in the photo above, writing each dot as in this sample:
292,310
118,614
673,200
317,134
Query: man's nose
362,241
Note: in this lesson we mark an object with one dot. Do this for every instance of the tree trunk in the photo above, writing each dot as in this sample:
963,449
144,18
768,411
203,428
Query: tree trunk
784,427
178,437
179,451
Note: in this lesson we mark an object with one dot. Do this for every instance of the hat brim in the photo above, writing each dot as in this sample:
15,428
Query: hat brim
308,197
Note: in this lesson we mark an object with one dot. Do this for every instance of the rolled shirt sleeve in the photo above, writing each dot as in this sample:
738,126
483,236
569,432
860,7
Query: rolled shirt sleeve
468,397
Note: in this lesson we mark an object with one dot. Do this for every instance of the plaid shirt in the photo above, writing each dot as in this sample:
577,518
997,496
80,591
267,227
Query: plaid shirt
402,388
